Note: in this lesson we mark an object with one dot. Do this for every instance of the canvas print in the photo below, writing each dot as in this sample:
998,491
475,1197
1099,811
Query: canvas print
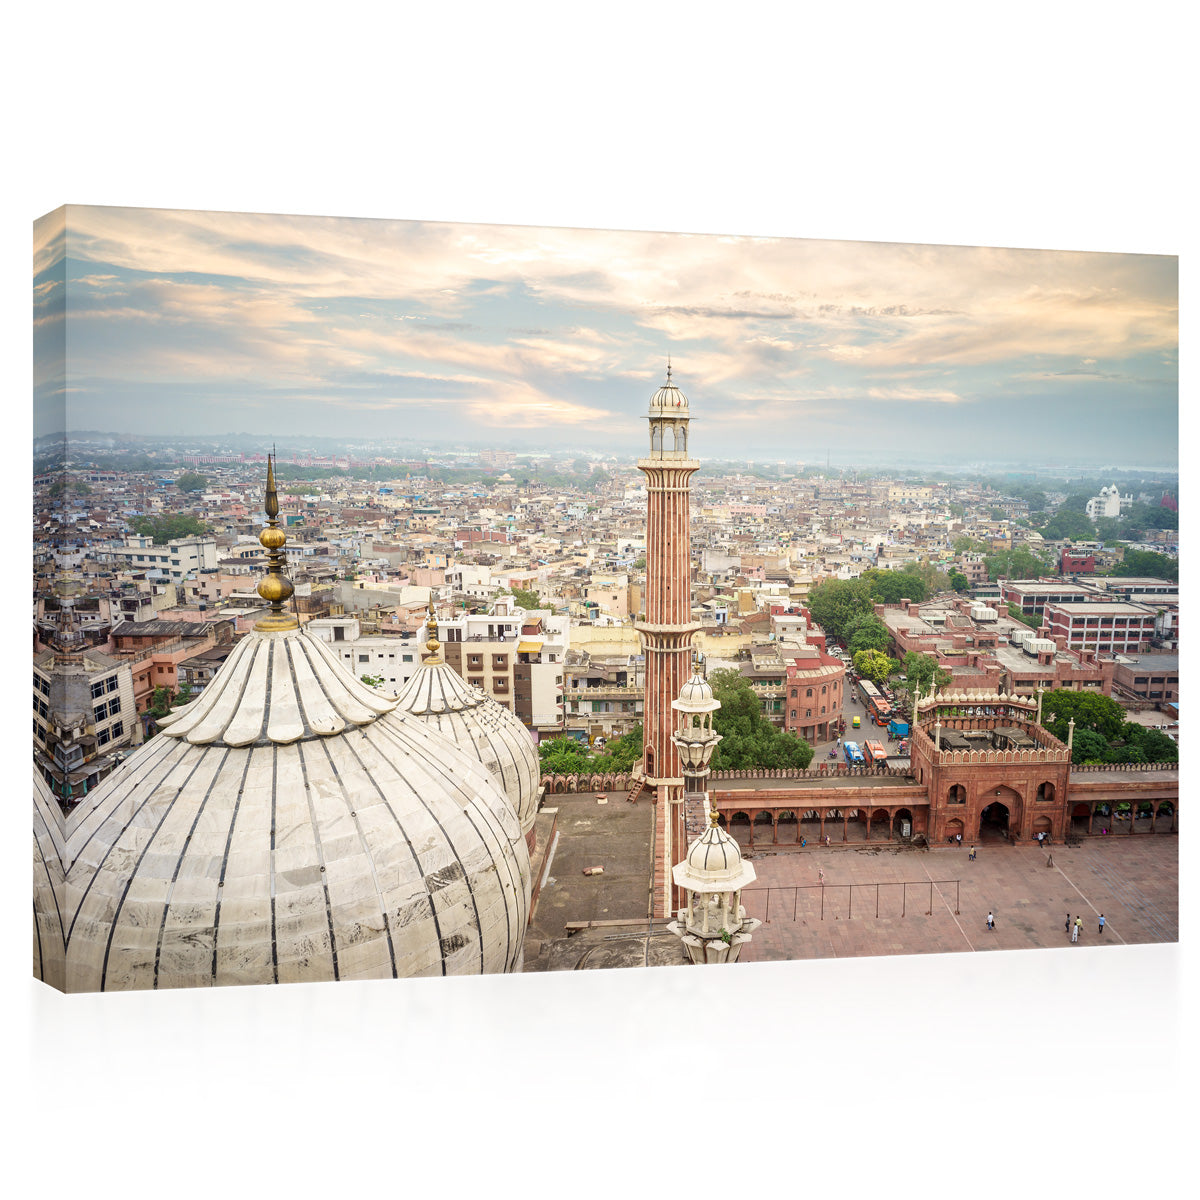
418,599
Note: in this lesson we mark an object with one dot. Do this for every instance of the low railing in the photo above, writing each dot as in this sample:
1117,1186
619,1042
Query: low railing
1159,766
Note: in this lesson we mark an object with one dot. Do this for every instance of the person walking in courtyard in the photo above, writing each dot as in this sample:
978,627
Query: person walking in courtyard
971,856
821,876
991,921
1075,929
958,839
1067,926
1101,922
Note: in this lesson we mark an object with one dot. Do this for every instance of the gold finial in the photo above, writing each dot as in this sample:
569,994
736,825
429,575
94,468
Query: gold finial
714,817
433,645
276,588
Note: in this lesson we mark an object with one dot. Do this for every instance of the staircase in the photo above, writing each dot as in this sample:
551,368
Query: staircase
636,790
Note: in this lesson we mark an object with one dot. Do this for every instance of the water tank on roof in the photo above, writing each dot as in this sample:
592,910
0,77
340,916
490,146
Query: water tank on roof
1022,636
981,612
1037,645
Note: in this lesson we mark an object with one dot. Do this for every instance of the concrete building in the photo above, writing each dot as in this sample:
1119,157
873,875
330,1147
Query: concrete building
84,714
1149,677
178,559
1109,628
1109,503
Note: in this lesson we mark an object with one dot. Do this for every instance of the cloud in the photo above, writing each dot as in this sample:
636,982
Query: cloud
548,321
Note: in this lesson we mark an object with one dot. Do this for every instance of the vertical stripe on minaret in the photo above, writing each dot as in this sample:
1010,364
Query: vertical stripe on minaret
666,625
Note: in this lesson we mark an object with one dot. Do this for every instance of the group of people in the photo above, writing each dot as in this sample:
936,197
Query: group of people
1076,928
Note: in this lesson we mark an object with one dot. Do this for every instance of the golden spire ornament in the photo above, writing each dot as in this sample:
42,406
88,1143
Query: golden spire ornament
276,588
433,645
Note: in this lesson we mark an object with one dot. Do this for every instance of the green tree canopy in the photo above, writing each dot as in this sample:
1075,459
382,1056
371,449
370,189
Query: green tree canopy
191,481
873,665
959,582
836,601
867,632
922,670
890,587
749,740
1018,563
621,753
1089,747
1146,562
163,529
526,598
1091,710
1068,523
564,756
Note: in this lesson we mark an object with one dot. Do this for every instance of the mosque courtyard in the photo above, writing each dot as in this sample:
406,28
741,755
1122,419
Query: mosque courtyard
852,901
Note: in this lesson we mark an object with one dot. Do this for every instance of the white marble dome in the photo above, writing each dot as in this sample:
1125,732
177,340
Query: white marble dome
714,863
279,830
668,400
696,696
49,853
482,728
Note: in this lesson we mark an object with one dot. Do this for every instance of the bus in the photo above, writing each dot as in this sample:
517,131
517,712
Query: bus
874,753
878,709
854,756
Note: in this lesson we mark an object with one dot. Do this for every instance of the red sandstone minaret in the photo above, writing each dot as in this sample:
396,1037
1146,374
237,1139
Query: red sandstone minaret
666,625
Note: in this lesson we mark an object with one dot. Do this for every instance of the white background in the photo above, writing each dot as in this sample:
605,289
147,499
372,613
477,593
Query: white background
1061,126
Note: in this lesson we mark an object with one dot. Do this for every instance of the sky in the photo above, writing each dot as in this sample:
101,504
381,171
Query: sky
159,322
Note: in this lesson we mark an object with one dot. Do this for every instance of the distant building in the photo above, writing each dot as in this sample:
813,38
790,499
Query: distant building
1109,503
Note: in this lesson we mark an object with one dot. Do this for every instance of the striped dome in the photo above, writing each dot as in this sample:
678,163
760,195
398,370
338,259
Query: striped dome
278,830
49,852
438,696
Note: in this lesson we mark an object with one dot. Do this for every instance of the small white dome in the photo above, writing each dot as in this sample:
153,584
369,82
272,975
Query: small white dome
696,696
438,696
714,863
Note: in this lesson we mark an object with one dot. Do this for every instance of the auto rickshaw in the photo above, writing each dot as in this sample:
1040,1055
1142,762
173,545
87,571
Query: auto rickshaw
857,723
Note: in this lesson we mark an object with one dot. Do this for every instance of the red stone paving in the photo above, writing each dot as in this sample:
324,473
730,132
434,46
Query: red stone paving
1134,882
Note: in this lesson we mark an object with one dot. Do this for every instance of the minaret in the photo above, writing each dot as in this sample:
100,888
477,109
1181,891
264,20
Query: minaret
666,625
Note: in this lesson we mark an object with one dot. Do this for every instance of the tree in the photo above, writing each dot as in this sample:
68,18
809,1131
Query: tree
372,681
890,587
526,598
1018,563
1146,562
867,632
182,696
749,740
1089,747
191,481
1067,523
1155,744
1092,711
959,582
873,665
921,671
564,756
1031,619
160,702
836,602
621,753
163,529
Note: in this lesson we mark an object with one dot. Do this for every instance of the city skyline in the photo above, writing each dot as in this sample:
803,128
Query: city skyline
187,323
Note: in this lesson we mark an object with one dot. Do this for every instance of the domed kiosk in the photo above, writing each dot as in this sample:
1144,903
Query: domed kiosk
439,697
713,925
289,825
